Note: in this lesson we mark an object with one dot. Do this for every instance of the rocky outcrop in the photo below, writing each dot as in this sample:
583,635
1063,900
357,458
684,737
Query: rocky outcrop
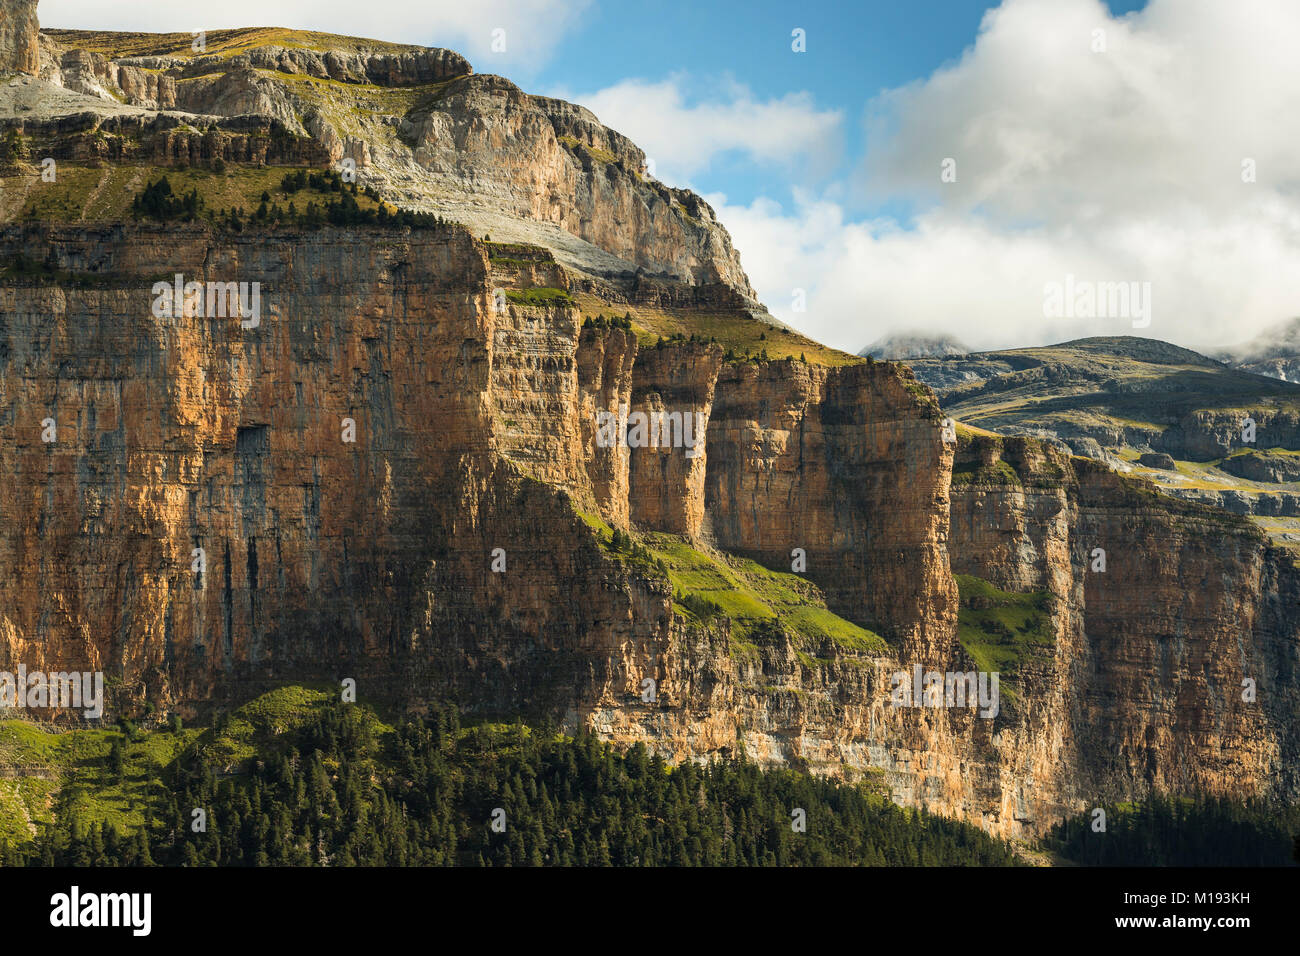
1173,668
799,457
19,37
95,75
1207,435
673,387
166,139
1272,467
1286,368
1281,504
539,159
472,148
1153,459
413,66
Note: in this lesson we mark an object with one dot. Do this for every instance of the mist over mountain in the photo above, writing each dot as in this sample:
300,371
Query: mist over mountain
1275,352
904,345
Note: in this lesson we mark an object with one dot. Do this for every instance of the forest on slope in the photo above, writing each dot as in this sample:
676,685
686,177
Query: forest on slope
294,779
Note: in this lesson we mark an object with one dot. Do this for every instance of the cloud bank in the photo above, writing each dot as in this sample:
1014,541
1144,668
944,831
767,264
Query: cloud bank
684,135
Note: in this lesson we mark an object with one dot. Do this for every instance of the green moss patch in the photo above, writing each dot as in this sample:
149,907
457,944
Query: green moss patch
1000,630
976,473
740,334
758,601
600,155
541,297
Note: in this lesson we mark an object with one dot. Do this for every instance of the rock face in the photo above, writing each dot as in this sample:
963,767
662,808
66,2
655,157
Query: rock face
165,139
1155,460
801,457
545,160
1287,368
183,509
427,133
1280,504
1264,466
1207,435
1144,687
19,37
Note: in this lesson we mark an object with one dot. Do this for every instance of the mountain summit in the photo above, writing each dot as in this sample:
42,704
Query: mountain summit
417,124
909,346
1274,352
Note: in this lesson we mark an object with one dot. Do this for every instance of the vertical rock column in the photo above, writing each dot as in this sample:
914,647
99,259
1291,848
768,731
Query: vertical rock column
846,465
19,37
673,389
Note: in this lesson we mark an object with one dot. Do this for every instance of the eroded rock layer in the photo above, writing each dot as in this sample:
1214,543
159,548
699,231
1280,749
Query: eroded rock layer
183,508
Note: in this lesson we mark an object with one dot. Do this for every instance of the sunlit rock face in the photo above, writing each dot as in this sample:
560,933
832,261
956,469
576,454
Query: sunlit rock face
19,37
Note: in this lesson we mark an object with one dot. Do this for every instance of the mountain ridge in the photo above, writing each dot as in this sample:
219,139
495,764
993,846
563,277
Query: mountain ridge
517,167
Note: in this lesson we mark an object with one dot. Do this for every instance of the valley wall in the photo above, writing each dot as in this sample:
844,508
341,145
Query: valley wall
475,430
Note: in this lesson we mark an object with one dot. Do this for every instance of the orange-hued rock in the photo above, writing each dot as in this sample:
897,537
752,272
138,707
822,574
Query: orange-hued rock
1144,691
450,552
177,434
847,464
606,358
20,50
673,387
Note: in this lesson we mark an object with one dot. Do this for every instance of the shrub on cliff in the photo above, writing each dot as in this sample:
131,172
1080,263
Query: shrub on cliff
13,150
160,203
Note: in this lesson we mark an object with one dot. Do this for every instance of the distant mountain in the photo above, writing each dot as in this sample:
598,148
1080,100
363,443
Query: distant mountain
1123,393
1275,352
894,347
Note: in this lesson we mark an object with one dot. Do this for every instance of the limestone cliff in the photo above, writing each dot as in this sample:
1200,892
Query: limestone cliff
1144,683
419,125
399,468
474,431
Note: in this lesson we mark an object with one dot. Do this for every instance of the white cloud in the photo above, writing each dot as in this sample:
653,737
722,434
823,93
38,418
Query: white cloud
1117,166
985,284
1044,129
684,135
533,28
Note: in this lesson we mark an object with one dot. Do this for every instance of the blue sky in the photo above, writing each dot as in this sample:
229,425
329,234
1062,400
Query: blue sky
1154,143
854,51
